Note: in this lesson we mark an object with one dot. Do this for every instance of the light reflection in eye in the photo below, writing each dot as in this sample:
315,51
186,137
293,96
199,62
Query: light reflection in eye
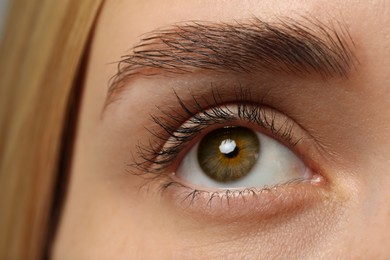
256,161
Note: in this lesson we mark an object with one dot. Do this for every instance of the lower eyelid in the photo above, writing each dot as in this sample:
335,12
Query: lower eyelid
247,204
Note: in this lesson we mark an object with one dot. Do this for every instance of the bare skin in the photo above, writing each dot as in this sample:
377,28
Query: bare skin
343,122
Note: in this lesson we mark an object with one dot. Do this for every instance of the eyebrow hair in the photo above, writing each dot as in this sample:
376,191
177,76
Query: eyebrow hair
302,48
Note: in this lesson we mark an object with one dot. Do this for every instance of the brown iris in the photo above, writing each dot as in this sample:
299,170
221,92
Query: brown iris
228,153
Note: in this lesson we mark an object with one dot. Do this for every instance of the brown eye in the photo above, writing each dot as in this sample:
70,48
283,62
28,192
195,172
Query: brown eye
228,154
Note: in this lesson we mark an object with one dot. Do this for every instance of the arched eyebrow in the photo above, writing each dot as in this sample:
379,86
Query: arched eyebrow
301,48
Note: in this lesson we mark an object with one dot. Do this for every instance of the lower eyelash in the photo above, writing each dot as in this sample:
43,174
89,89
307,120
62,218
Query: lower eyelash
173,135
190,194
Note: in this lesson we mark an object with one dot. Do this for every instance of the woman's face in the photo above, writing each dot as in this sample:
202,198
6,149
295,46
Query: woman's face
233,129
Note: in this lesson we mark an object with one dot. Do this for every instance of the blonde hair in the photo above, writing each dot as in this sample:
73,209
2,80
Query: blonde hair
40,53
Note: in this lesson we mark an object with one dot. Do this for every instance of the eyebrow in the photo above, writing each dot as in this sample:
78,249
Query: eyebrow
302,48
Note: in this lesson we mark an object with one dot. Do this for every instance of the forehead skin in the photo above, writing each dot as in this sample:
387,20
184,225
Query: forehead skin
105,217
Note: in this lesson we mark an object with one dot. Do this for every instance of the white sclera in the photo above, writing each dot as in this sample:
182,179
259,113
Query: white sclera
276,164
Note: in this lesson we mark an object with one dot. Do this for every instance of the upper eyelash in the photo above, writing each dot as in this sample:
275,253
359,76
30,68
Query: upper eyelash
172,131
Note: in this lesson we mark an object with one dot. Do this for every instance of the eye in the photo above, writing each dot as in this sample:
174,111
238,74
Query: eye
239,153
234,157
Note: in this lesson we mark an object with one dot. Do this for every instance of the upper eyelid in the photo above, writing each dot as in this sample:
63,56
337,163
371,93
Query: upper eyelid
288,46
